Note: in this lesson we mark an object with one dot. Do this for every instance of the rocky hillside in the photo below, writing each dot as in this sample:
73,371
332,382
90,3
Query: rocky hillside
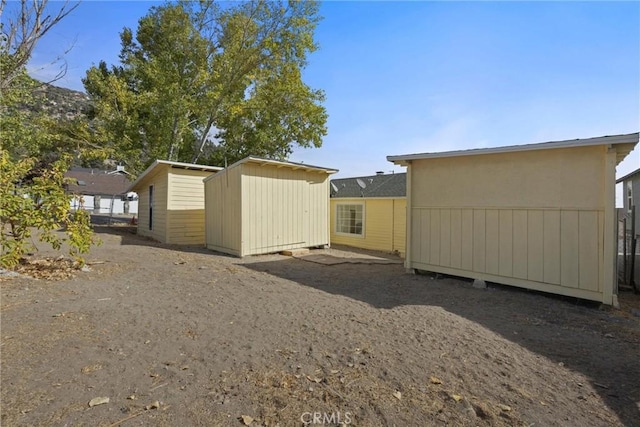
59,103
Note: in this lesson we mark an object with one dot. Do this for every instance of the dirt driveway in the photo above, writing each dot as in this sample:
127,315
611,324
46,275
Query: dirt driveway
182,336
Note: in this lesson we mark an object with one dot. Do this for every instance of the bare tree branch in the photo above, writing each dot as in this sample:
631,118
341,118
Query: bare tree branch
20,34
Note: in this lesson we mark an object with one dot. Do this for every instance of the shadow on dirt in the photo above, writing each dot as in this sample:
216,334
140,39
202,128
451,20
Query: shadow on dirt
127,234
571,332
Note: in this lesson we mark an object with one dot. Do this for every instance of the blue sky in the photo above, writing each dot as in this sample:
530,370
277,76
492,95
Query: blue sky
406,77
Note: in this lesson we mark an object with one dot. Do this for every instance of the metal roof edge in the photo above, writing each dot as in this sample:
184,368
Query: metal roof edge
282,163
601,140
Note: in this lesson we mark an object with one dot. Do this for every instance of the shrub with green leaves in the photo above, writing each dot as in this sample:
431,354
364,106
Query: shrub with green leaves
35,207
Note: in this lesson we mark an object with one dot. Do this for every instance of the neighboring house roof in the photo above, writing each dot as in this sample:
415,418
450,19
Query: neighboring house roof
92,181
180,165
628,176
629,139
391,185
281,164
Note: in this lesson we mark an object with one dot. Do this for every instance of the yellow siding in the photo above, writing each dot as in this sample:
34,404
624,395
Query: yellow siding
185,203
534,219
384,224
186,227
159,182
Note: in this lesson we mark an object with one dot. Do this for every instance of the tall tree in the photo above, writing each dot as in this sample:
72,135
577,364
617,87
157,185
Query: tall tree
204,83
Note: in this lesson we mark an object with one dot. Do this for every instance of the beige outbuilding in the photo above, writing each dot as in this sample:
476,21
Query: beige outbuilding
171,201
257,206
538,216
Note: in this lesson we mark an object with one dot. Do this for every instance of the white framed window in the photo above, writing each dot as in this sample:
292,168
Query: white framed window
629,196
350,219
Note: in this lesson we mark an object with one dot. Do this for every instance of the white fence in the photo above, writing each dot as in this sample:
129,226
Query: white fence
106,204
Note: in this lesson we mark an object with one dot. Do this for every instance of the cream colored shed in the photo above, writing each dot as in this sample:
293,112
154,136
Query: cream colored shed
538,216
258,206
171,202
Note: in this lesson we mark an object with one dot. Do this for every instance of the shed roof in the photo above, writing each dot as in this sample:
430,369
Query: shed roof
180,165
391,185
628,176
280,164
627,142
93,181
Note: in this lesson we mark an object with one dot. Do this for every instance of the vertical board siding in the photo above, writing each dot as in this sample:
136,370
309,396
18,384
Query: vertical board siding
456,238
570,249
445,237
283,208
425,237
466,244
479,236
551,248
434,233
601,273
535,245
548,246
520,245
588,258
492,241
416,230
222,212
505,224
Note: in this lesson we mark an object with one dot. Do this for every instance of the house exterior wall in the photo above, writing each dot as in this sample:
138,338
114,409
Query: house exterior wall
185,206
159,180
384,224
254,209
536,219
222,211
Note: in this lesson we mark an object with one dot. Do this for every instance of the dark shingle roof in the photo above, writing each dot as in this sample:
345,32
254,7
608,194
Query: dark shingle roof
97,182
392,185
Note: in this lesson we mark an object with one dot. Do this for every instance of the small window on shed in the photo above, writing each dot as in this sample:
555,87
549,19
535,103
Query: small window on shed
629,195
350,219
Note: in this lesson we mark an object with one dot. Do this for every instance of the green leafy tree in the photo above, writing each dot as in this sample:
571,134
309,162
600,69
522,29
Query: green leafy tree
33,201
203,83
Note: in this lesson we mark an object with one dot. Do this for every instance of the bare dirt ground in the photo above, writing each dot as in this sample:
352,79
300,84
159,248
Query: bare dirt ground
184,336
